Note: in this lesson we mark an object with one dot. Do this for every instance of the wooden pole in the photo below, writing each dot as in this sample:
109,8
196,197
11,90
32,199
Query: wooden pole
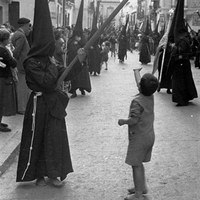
198,13
91,41
164,52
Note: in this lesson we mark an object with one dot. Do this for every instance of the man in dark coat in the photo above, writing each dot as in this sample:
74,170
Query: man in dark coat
82,80
21,48
44,150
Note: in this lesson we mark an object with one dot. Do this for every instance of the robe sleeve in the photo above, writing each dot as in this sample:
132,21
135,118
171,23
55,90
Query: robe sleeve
135,110
41,76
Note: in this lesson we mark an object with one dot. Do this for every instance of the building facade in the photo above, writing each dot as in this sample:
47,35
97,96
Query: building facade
107,7
4,11
61,11
190,14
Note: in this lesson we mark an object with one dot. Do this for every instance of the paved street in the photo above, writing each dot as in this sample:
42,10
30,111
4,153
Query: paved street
98,145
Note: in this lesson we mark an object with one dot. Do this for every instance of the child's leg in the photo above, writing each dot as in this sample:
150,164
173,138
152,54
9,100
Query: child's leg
106,65
139,180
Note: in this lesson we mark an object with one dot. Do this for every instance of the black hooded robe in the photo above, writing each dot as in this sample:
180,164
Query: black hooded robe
183,87
50,155
145,56
122,51
94,59
82,80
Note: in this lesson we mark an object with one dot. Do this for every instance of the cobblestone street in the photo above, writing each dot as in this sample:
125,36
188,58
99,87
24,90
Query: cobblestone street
98,145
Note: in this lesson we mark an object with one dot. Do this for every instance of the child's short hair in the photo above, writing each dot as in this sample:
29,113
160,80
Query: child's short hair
148,84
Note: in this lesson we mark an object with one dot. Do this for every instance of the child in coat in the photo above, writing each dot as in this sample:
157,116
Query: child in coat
140,132
104,53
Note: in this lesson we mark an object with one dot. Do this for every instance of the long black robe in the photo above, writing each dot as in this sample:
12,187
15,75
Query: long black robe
94,59
82,80
145,56
50,155
183,87
122,51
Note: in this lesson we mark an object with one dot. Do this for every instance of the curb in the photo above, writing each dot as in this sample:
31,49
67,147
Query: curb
9,152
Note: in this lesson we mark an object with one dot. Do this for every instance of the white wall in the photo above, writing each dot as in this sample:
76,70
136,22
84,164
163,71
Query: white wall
27,9
4,16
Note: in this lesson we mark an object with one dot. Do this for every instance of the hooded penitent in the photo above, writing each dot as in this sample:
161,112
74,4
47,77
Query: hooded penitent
44,149
94,54
43,43
123,42
183,85
82,80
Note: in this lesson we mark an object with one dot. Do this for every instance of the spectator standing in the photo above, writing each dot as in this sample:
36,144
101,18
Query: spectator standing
7,84
21,48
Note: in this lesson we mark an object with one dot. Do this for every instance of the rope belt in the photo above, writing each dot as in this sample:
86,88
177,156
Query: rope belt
36,95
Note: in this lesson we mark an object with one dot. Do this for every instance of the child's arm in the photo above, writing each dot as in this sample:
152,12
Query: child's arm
135,113
129,121
137,76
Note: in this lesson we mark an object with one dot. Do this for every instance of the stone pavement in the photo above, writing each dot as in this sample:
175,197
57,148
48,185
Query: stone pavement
9,141
98,145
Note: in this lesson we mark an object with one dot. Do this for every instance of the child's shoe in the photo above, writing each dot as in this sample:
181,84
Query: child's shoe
134,197
132,191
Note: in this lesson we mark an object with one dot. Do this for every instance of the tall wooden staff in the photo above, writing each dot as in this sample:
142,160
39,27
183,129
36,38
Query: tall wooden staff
198,13
91,41
164,52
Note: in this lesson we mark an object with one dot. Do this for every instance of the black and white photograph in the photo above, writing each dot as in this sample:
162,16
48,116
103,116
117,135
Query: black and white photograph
99,99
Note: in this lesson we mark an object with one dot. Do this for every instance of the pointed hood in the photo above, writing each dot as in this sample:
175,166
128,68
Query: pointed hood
147,30
43,42
95,19
123,32
180,29
78,29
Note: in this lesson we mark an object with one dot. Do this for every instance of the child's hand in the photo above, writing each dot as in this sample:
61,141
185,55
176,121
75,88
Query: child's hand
121,122
137,69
